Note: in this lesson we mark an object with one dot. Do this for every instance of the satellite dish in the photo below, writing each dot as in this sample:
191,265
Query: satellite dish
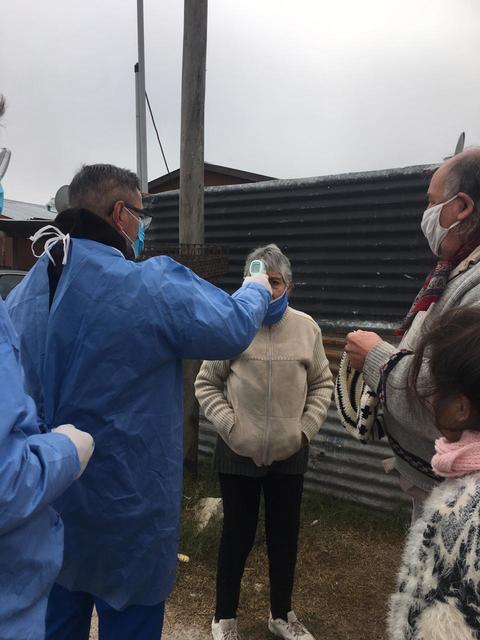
62,199
5,155
460,144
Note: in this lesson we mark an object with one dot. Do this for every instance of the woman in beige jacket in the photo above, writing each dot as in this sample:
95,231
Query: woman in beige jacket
266,404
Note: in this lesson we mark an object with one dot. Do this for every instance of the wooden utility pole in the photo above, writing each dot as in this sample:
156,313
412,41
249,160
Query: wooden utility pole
191,214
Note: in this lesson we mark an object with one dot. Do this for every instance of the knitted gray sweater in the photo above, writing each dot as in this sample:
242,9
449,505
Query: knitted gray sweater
408,424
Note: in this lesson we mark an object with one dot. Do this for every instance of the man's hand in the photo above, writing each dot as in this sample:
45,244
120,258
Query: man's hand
358,345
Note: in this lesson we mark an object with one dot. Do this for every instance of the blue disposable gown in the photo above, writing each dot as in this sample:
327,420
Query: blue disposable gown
107,357
34,470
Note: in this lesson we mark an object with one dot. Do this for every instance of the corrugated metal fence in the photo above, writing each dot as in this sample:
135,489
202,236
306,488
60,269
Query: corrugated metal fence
358,259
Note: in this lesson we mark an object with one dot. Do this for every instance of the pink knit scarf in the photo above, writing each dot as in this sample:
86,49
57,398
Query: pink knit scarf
456,459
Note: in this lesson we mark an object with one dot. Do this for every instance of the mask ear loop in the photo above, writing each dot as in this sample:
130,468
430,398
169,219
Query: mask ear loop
123,232
57,235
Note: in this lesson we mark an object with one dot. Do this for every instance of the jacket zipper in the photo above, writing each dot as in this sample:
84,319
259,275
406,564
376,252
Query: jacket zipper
269,397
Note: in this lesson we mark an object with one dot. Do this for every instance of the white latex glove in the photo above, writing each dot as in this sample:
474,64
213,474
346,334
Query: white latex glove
259,278
82,440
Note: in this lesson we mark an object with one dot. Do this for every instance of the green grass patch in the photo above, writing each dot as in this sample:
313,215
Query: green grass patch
200,546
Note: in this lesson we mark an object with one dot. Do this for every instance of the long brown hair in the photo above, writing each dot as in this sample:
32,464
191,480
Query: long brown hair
451,348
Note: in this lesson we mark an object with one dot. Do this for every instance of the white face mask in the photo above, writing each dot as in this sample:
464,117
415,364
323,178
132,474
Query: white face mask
54,235
431,227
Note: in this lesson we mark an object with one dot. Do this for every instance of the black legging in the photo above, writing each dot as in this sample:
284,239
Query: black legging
241,501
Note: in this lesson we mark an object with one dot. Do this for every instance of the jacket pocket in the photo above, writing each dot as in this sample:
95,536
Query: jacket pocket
285,439
246,437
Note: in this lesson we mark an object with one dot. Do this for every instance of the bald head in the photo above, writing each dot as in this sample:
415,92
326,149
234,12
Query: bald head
456,185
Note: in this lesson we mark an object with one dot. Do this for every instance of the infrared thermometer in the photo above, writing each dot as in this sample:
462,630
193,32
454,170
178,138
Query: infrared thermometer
256,267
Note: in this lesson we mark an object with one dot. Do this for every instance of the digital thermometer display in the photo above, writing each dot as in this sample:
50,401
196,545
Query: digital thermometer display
256,267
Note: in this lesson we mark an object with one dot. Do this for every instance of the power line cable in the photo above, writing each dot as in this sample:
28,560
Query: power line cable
156,131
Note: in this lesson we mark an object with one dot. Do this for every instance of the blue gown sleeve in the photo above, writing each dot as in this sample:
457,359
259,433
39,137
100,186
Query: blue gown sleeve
34,469
201,320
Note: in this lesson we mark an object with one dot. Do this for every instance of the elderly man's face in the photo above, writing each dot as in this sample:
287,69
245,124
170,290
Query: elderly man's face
437,193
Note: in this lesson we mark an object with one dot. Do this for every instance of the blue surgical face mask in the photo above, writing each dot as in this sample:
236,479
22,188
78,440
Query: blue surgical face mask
139,243
276,309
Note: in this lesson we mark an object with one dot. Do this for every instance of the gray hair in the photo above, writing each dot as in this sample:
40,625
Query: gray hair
464,175
274,260
3,105
98,186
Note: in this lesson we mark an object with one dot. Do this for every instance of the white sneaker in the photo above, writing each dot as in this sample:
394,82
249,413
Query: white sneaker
291,630
225,629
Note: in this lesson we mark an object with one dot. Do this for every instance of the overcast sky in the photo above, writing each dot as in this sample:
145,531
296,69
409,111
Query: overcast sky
294,87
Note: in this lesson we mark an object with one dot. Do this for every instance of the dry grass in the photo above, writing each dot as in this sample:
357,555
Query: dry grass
346,570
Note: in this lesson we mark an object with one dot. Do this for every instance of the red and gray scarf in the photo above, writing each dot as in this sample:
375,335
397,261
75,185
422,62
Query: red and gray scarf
436,283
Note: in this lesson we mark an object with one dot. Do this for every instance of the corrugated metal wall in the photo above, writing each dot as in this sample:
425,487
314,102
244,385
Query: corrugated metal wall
358,259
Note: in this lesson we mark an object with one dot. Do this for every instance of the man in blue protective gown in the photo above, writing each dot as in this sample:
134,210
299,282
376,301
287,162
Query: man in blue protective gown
102,339
35,468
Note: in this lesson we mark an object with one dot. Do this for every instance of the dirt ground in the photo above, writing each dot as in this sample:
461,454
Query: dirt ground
342,586
346,569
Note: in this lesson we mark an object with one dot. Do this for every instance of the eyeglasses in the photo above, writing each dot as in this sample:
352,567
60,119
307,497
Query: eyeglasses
146,220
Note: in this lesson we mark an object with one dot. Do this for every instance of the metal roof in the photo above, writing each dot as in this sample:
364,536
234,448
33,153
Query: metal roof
212,168
17,210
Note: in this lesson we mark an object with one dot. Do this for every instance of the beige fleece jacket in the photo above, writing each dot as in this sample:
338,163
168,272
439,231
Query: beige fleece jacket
277,389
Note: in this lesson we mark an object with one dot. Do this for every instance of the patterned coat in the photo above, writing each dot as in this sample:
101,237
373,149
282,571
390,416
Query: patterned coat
438,586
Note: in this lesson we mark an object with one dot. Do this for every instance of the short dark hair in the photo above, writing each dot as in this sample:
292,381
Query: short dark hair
98,186
3,105
452,345
464,175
